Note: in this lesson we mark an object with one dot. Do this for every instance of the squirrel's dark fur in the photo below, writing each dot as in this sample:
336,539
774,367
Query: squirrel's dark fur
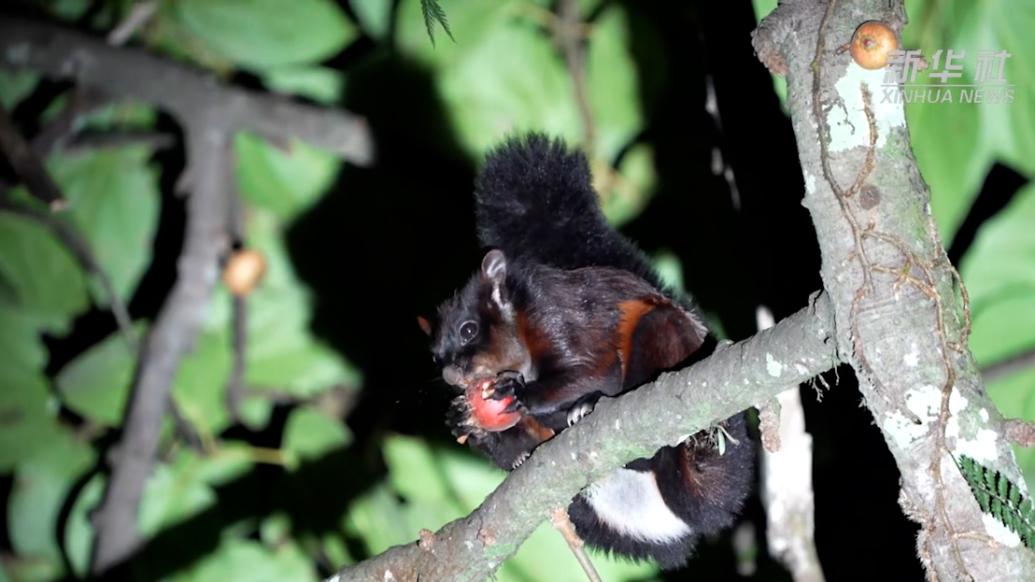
565,310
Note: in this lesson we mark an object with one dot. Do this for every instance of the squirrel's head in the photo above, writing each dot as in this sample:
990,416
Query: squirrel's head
478,331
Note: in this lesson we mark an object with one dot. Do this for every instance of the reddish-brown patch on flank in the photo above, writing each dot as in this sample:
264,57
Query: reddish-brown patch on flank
630,314
536,429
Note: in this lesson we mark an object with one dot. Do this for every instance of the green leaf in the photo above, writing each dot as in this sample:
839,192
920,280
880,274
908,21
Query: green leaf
199,388
433,12
625,193
379,519
20,344
282,352
113,200
472,22
513,80
26,415
374,16
41,484
79,533
284,183
183,487
999,271
15,86
237,559
612,83
174,492
1014,396
310,434
999,497
545,556
96,383
952,156
320,84
38,276
1009,127
260,34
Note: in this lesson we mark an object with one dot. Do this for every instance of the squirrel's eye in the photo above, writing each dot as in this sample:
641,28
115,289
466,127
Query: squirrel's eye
468,330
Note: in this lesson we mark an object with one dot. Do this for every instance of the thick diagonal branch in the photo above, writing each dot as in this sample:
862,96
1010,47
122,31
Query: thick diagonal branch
135,74
619,430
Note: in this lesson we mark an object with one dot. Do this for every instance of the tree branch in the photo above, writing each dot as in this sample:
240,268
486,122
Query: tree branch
1009,365
171,337
900,309
28,166
619,430
184,91
80,249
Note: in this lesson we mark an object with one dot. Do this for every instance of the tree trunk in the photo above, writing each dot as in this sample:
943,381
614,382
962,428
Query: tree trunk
900,311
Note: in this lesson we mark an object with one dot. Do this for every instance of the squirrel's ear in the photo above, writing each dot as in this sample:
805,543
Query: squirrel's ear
424,325
494,266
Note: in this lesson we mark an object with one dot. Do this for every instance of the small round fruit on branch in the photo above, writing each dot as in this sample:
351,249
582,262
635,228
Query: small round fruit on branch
873,44
489,414
243,272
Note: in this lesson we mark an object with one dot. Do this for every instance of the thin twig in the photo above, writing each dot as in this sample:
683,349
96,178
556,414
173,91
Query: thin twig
139,15
102,140
235,387
134,74
83,101
28,166
239,313
561,522
81,250
568,33
1010,365
1020,432
175,330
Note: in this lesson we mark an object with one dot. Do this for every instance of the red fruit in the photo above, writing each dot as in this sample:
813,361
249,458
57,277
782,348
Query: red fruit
487,413
872,44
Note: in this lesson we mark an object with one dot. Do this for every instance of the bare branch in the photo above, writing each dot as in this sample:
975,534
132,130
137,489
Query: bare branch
172,335
568,33
235,388
139,15
101,140
618,431
787,492
1009,365
1020,432
184,91
562,523
80,249
28,166
83,101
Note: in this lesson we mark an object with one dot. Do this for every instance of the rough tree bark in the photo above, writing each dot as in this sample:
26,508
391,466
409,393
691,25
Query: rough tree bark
900,309
635,425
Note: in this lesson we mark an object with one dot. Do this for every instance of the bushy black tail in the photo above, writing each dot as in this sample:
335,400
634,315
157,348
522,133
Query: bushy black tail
535,200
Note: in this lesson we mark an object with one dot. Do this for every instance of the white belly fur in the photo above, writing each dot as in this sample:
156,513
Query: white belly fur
630,503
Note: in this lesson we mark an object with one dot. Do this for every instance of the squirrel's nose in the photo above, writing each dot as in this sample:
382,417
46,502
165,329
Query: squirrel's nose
452,375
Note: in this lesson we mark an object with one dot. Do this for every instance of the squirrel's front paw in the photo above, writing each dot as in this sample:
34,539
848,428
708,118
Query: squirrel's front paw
508,384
